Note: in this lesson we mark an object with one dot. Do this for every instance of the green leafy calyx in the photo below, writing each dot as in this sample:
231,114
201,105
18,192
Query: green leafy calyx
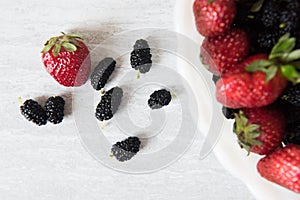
257,6
282,58
247,133
67,41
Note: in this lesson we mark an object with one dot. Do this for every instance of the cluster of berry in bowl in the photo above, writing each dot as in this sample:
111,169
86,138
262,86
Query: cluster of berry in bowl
67,59
252,49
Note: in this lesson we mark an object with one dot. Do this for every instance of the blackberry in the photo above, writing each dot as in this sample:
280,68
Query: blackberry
215,78
270,13
280,13
102,73
278,17
140,57
266,40
290,16
159,99
34,112
126,149
55,109
292,113
292,95
292,134
109,104
229,112
244,17
289,21
141,44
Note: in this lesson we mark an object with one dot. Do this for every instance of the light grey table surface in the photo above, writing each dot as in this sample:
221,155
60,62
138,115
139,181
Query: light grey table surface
49,162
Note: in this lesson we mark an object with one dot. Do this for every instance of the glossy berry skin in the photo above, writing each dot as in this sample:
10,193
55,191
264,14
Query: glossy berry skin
272,125
102,73
159,98
126,149
229,112
282,167
249,90
34,112
270,13
277,18
292,95
215,78
224,51
292,113
69,68
141,57
54,107
292,134
109,104
215,17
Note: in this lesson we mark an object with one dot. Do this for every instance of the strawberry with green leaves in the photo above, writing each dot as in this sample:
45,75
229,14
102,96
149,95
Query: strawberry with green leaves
260,130
222,52
67,59
282,167
213,17
249,90
263,80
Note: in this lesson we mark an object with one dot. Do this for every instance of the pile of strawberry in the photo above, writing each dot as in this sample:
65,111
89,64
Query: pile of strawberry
258,86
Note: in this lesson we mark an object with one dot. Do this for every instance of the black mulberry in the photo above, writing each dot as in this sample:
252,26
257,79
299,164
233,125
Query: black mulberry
215,78
141,44
278,18
266,40
102,73
55,109
126,149
292,134
140,57
109,104
229,112
159,99
292,113
270,13
292,95
34,112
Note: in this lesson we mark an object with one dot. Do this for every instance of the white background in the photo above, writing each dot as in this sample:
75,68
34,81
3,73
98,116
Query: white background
49,162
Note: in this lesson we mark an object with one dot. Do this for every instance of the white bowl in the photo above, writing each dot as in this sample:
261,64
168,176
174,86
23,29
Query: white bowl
228,152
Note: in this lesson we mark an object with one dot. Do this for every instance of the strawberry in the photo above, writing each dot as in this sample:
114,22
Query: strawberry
282,167
222,52
245,89
213,17
241,67
264,79
67,59
260,130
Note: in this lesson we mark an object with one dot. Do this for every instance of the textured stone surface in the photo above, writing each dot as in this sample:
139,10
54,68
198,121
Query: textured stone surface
49,162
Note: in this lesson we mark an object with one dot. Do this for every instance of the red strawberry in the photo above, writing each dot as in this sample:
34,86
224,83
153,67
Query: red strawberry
248,89
222,52
241,67
67,59
213,17
260,130
282,167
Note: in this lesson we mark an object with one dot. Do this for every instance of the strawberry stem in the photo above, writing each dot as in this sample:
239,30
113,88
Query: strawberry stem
283,58
68,41
247,133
